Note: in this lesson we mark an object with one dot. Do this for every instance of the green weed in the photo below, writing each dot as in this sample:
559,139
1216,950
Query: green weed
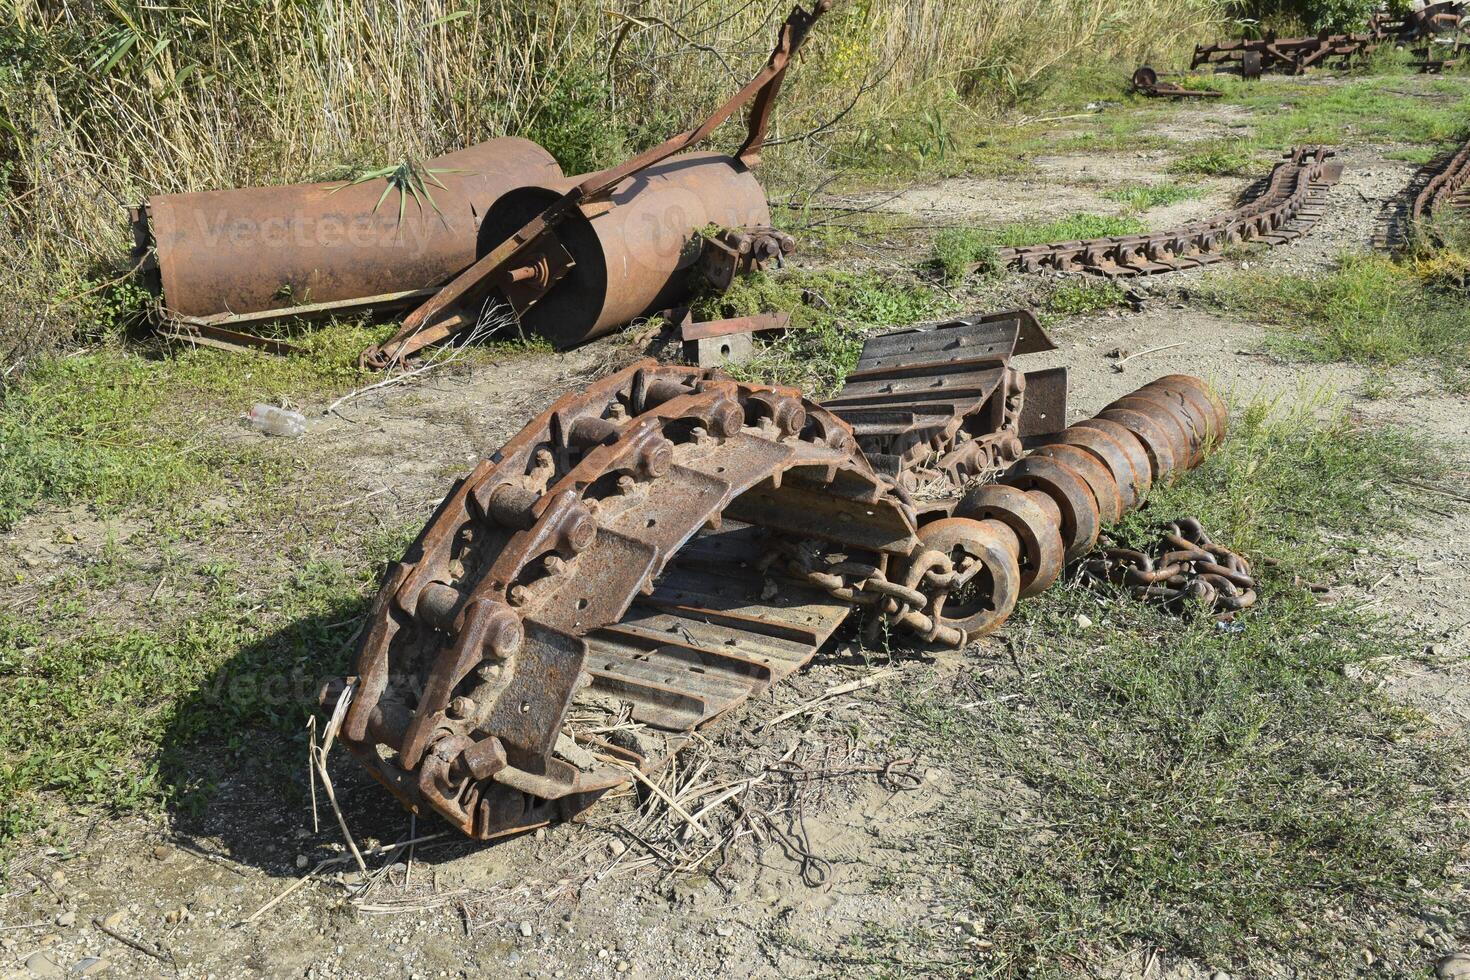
1080,297
1141,197
1369,310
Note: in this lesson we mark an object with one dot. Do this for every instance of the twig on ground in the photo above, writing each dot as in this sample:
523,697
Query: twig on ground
831,692
1151,350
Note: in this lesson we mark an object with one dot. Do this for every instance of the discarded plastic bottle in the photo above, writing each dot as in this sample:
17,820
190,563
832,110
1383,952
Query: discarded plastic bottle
275,421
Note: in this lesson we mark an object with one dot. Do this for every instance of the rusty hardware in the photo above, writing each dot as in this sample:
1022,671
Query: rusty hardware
730,253
940,405
655,549
228,260
1293,56
711,343
1182,569
1146,82
1444,195
576,259
1292,199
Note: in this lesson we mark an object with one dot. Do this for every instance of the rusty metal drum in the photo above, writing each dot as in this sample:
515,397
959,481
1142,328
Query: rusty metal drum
635,258
253,249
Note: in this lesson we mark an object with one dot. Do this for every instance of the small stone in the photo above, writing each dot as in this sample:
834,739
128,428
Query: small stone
724,930
622,966
115,920
1455,966
91,966
161,853
1219,975
1083,621
540,833
58,878
602,954
42,965
301,861
66,919
526,929
1438,649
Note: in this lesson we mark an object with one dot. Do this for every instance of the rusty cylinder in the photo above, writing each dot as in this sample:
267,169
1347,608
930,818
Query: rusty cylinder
634,259
253,249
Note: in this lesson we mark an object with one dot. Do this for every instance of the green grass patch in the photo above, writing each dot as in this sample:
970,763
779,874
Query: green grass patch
1243,797
1141,197
830,311
1369,310
1227,159
1079,297
107,715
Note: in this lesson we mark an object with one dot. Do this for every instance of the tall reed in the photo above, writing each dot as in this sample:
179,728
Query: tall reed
103,102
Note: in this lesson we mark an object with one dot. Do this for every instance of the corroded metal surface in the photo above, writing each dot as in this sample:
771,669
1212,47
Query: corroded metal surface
1443,197
1146,81
611,245
656,549
1291,201
220,254
1182,569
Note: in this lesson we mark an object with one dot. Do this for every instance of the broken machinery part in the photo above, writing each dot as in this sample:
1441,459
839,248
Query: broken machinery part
1292,200
577,259
656,549
233,259
1146,82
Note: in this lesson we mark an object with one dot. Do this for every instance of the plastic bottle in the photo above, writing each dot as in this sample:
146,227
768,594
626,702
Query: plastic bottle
274,421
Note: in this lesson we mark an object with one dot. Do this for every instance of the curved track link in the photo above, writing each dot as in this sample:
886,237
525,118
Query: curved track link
1444,196
656,549
1293,198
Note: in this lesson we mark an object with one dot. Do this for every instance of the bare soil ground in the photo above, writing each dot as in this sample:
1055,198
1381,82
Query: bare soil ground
186,893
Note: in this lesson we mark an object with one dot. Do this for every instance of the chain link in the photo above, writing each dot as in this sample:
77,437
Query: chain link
1183,567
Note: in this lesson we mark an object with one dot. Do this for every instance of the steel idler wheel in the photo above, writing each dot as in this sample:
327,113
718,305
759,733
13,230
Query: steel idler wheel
1130,444
1191,408
989,596
1072,495
1155,439
1184,441
1186,382
1099,478
1042,553
1131,488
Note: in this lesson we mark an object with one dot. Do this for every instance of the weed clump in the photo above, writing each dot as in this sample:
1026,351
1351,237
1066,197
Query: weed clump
1369,310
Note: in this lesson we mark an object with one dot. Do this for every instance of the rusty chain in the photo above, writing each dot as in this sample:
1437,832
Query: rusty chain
1182,569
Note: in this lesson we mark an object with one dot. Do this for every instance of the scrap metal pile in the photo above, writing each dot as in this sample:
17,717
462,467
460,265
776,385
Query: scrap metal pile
1291,201
656,549
1293,56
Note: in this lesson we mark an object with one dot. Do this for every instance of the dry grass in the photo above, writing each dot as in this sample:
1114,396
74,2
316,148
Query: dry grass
103,103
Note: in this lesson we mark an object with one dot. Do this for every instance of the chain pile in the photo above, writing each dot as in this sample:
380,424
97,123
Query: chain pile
1292,200
1184,569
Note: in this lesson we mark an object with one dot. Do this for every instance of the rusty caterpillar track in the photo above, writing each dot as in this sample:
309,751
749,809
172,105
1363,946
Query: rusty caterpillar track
1293,198
654,550
1444,196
